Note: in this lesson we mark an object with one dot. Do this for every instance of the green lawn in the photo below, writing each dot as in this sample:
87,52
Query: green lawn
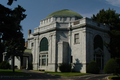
66,74
7,72
115,77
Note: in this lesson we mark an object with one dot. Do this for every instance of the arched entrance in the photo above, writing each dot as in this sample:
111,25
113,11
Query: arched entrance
98,51
43,56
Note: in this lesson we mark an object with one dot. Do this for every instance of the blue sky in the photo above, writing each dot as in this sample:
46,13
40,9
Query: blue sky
39,9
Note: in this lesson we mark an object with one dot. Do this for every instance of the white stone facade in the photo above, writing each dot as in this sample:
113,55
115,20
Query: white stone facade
70,40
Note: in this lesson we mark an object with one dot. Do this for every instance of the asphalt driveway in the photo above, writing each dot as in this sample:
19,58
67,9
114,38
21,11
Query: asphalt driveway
35,75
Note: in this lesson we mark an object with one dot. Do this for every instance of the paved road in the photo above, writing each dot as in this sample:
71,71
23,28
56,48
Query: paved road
91,77
44,76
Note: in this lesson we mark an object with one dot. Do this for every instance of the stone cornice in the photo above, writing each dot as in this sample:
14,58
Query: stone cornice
84,22
96,28
67,29
30,38
49,30
89,26
46,25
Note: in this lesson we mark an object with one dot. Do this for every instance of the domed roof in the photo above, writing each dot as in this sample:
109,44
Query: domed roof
64,12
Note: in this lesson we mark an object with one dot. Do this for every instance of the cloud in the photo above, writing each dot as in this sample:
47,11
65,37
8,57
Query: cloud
114,2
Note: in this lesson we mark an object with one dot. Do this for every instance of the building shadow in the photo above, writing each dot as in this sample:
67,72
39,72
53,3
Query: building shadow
77,66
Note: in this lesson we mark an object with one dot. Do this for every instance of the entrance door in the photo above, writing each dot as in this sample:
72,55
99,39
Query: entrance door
98,57
98,51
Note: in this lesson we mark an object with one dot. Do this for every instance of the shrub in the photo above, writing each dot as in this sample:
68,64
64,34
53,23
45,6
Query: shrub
7,65
4,65
111,66
118,61
65,67
93,67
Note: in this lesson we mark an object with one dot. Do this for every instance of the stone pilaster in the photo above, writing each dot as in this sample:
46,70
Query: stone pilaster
34,51
50,48
36,54
53,52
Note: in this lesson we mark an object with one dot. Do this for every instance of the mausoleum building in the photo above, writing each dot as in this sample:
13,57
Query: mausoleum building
66,37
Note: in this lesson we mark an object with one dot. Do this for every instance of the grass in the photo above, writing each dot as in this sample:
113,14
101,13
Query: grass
115,77
7,72
65,74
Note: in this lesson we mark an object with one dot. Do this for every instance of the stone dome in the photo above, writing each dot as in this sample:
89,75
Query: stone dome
64,12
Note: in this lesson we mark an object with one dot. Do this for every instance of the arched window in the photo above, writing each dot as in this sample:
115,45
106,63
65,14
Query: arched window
98,51
43,56
44,44
98,42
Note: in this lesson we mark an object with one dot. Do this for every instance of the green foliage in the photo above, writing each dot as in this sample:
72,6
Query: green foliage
114,77
111,18
4,65
107,16
93,67
65,67
11,29
112,66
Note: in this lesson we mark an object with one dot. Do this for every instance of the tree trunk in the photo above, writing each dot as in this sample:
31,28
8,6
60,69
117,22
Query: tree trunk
13,68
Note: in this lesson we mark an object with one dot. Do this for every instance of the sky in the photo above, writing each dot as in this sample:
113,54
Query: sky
37,10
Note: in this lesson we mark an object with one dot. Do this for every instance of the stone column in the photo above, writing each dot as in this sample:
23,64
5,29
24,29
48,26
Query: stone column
37,52
90,46
50,49
34,50
4,54
26,62
106,52
28,44
84,43
53,56
70,45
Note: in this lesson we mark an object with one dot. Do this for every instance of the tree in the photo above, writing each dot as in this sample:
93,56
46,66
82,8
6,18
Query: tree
4,26
10,2
111,18
1,51
15,47
11,30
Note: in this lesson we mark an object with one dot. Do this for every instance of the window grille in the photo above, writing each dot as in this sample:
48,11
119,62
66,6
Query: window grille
44,44
76,37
